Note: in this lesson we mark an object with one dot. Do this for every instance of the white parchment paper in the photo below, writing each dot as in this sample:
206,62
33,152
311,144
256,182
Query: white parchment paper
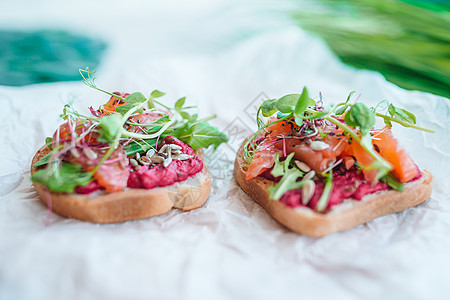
226,57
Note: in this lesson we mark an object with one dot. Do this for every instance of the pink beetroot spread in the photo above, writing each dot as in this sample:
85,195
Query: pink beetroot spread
159,176
91,187
349,184
148,177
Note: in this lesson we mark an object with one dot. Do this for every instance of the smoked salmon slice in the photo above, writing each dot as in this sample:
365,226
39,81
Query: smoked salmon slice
403,165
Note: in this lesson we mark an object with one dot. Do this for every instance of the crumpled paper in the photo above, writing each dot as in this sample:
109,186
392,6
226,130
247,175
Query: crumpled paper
230,248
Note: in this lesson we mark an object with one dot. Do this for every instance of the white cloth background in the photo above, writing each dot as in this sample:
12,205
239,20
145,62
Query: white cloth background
225,57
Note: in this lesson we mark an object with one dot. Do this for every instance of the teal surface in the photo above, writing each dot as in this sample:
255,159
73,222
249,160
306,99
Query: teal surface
45,56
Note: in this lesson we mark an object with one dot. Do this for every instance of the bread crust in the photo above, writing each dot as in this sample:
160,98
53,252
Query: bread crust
130,204
349,214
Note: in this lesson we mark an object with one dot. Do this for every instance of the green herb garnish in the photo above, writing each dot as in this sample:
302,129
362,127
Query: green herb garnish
356,126
111,129
290,175
62,178
325,197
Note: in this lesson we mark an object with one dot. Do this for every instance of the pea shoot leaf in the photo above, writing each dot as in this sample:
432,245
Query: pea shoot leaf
185,115
134,98
341,110
269,107
157,94
401,114
301,105
110,126
123,109
360,116
393,182
288,181
286,104
202,134
179,104
44,160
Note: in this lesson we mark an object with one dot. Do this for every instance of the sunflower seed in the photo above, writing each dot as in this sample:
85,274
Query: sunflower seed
175,147
167,161
164,148
319,145
157,159
138,156
302,166
150,153
134,162
176,152
309,175
308,191
145,160
163,155
90,154
182,157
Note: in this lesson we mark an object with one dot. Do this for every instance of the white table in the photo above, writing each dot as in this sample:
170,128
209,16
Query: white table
225,57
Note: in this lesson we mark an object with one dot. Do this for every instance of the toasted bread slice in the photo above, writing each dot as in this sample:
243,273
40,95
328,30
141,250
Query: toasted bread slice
130,204
348,214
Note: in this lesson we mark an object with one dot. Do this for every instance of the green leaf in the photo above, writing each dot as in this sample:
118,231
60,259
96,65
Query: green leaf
288,181
281,115
360,116
193,118
44,160
382,166
401,114
185,115
139,146
393,182
110,126
341,110
349,96
163,120
278,167
202,135
268,107
134,98
179,104
286,104
62,178
326,193
298,120
387,122
157,94
157,125
301,105
48,142
123,109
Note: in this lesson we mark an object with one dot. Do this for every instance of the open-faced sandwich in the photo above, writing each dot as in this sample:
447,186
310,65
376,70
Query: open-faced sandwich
133,158
319,170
